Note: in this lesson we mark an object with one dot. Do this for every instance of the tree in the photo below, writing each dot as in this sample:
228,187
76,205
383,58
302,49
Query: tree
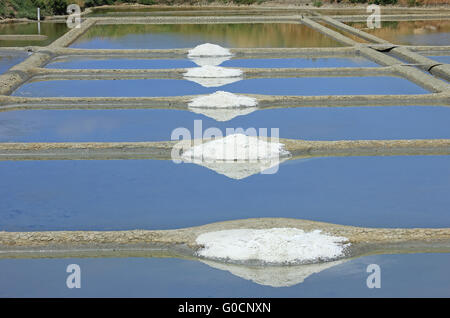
58,7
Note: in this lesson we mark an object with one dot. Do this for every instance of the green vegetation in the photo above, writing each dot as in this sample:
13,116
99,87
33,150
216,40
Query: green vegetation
414,3
28,8
317,3
385,2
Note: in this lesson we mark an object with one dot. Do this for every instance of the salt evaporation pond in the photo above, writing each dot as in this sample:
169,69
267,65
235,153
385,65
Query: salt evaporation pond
170,277
441,59
322,123
167,36
9,59
52,30
305,86
408,191
426,32
89,63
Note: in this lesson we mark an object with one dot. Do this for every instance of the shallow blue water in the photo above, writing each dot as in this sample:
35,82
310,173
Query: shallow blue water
407,275
8,60
442,59
84,63
400,122
150,194
270,86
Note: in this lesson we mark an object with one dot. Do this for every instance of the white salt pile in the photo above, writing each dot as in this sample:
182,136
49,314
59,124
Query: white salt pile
236,147
211,71
273,246
209,54
274,276
214,60
209,49
221,99
238,156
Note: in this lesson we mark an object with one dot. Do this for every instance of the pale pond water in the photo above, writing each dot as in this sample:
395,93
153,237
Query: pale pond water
426,32
306,86
441,59
407,275
50,29
409,191
322,123
167,36
87,63
9,59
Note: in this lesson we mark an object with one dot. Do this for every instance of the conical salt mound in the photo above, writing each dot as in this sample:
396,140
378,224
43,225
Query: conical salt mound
209,49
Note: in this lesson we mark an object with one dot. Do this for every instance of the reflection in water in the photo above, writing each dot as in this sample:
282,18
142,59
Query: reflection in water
431,32
51,30
241,169
237,155
223,114
223,106
214,81
190,35
300,86
274,276
212,60
211,75
172,277
9,59
72,62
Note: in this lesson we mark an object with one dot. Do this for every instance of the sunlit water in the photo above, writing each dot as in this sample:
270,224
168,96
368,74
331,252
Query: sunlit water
89,63
307,86
9,59
428,32
322,123
441,59
50,29
159,194
413,275
166,36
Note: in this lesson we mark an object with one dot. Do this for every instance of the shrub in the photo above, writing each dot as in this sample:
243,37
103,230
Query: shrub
244,1
384,2
147,2
96,3
58,7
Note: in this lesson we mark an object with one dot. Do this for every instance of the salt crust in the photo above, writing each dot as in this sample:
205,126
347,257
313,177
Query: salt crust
271,246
